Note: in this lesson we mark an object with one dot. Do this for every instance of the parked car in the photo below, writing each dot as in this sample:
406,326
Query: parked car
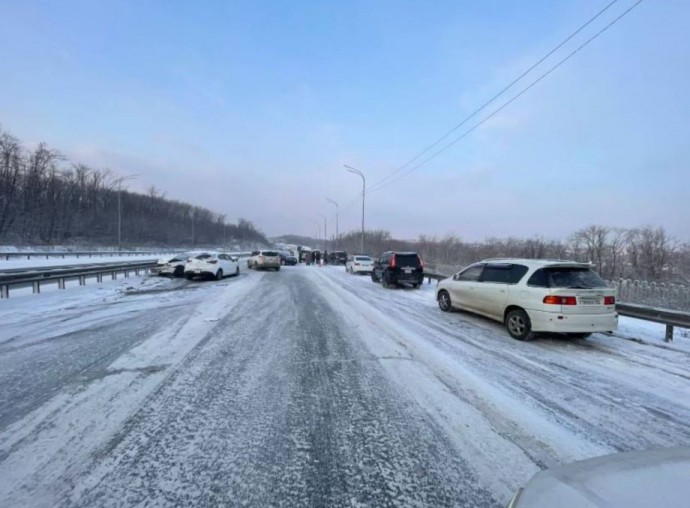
636,479
394,268
337,257
287,258
533,295
172,265
211,264
266,259
359,264
250,261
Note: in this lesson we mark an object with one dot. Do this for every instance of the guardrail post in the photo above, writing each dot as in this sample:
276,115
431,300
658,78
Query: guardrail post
136,271
114,275
36,287
61,283
669,333
82,280
99,277
4,291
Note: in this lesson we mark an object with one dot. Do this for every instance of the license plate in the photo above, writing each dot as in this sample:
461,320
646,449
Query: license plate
590,301
197,271
408,270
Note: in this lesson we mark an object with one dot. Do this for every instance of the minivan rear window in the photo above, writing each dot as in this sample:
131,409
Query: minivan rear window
269,253
362,258
566,277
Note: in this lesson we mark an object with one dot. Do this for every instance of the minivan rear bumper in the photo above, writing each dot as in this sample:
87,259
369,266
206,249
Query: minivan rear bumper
572,323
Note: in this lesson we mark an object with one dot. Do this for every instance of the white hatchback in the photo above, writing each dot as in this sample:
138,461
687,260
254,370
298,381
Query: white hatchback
172,265
533,295
359,264
212,264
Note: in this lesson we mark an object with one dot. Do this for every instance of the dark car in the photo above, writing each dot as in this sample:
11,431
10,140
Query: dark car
287,258
395,268
337,257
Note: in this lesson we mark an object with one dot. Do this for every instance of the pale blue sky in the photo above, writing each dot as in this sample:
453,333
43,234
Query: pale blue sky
251,108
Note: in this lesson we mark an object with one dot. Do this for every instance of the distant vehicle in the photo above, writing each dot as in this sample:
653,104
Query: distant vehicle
250,260
629,479
337,257
265,259
287,258
302,253
394,268
533,295
359,264
212,264
172,265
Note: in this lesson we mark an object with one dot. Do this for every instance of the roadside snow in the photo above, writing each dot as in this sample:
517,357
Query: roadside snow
41,262
650,333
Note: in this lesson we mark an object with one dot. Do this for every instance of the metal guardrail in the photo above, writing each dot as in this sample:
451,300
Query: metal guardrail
34,278
28,255
670,318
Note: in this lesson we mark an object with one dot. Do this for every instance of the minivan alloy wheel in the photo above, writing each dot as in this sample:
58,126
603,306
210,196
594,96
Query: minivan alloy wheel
518,324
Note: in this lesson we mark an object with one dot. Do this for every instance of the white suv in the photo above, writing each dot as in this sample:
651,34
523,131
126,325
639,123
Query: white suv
533,295
264,260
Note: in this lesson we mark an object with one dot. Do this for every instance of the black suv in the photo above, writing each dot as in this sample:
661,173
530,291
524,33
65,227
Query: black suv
337,257
394,268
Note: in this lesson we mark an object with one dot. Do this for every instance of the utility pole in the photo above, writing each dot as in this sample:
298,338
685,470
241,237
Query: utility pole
364,190
325,232
119,208
337,233
193,233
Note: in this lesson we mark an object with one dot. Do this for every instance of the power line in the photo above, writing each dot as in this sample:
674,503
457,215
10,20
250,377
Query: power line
507,103
492,99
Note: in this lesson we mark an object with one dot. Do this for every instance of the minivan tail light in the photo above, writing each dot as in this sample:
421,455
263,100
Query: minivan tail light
393,261
421,263
560,300
609,300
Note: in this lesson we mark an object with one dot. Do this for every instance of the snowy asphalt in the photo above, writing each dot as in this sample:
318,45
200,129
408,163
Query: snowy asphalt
306,387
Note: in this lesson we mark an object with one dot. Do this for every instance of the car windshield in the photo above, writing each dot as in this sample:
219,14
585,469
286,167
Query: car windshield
575,278
204,256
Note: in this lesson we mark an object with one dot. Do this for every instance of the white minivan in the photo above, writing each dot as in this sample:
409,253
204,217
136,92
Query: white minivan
533,295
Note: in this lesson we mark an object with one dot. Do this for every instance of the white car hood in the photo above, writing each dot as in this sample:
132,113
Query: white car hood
655,478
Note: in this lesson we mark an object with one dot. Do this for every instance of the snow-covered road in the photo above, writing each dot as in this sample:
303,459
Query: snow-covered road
305,387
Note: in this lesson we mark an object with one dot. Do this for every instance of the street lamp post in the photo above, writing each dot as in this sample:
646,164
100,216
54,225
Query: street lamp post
325,232
119,208
364,190
337,233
